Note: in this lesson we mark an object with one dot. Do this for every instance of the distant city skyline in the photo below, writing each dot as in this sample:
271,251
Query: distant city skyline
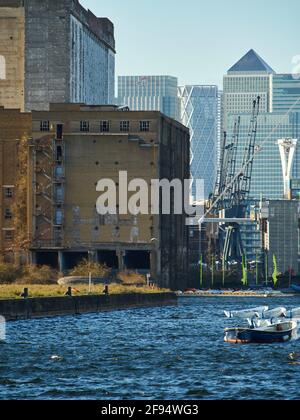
196,41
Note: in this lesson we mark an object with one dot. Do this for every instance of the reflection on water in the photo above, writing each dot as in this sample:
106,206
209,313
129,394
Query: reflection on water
159,353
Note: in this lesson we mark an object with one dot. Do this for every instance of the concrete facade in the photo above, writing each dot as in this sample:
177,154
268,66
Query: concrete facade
12,64
78,146
15,128
66,52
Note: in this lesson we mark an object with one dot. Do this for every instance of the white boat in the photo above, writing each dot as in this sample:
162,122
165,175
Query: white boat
280,332
247,313
259,323
274,313
293,313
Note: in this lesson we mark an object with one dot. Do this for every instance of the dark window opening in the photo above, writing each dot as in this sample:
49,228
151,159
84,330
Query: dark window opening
47,258
104,126
124,126
8,214
59,153
45,126
108,258
8,192
59,131
145,126
84,126
72,259
137,260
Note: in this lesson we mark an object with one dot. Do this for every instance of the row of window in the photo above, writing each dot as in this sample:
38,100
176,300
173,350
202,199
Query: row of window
104,126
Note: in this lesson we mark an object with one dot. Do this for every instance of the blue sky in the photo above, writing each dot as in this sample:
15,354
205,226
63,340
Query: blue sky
198,40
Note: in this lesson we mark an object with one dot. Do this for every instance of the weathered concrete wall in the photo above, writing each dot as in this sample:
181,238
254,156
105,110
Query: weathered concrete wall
162,152
14,310
11,55
47,62
69,55
174,161
15,129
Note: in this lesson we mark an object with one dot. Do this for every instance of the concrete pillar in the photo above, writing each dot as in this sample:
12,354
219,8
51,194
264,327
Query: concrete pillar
153,265
93,257
32,258
121,255
61,261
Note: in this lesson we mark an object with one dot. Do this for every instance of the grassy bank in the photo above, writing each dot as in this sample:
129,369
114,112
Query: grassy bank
42,281
13,291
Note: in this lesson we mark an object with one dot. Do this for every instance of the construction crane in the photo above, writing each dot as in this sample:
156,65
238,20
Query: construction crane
233,188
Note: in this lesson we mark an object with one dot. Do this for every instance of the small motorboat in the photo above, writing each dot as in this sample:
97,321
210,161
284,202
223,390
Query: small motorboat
293,313
247,313
280,332
274,313
259,323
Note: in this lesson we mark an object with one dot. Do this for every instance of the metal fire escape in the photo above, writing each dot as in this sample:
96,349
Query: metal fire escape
48,154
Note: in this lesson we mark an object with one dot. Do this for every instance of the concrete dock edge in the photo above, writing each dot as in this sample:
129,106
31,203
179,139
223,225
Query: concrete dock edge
16,309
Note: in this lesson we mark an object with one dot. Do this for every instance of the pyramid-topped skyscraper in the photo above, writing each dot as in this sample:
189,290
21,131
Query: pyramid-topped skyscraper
248,78
251,63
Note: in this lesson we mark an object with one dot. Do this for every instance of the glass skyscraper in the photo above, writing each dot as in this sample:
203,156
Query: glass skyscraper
200,112
149,93
267,177
250,77
286,93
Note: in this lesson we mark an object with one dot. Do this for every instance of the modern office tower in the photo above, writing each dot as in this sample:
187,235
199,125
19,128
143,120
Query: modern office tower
87,144
286,93
54,51
267,177
15,130
250,77
149,93
200,112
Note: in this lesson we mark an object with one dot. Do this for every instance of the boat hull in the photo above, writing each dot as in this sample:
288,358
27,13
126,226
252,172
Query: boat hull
295,288
260,336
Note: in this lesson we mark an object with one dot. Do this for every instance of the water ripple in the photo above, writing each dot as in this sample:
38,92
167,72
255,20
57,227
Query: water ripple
160,353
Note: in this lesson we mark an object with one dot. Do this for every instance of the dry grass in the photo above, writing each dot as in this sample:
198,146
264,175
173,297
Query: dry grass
13,291
30,274
130,278
85,267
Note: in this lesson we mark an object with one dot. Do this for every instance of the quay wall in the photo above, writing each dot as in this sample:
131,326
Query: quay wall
17,309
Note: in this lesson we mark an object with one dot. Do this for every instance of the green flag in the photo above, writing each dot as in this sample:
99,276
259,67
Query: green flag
275,273
245,272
